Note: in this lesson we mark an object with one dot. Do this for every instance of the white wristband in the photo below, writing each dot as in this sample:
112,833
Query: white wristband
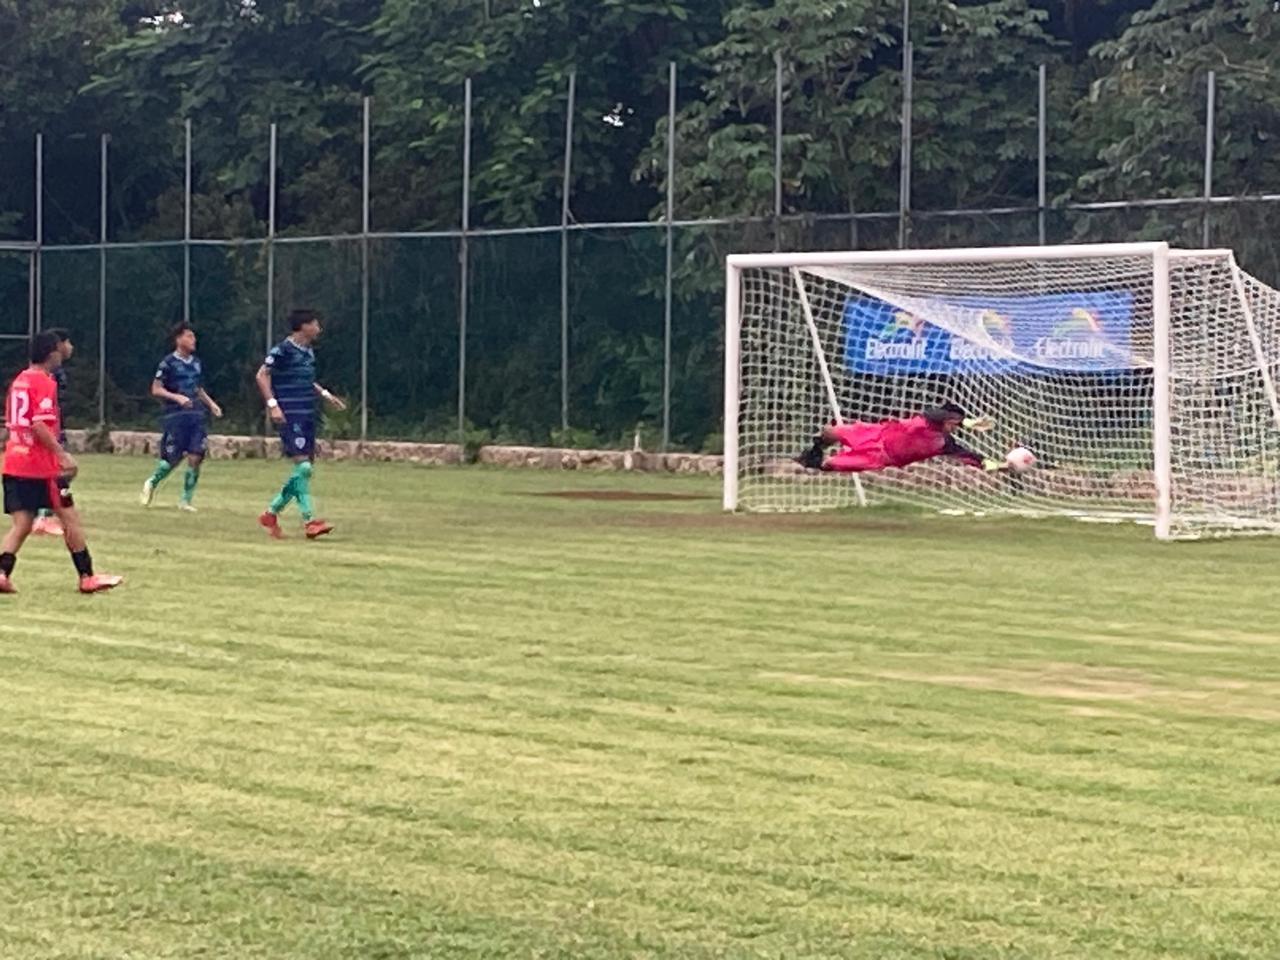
272,403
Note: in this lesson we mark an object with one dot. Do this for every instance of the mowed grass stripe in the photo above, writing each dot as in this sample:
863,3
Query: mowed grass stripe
480,722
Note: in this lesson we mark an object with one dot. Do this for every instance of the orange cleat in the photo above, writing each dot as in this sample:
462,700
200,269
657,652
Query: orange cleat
316,528
6,585
47,526
98,582
271,523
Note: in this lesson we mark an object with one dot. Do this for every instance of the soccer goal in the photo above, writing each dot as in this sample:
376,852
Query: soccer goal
1143,378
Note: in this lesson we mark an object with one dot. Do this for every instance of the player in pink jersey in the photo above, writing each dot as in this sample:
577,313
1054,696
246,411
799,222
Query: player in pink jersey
897,443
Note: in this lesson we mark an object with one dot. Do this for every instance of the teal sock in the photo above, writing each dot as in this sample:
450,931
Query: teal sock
163,469
302,487
283,497
189,481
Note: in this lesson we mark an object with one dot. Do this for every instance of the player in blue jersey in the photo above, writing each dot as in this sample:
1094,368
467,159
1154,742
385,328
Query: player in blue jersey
179,386
47,522
287,382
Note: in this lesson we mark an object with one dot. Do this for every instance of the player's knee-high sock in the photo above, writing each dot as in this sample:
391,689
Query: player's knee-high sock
282,498
189,481
163,469
302,487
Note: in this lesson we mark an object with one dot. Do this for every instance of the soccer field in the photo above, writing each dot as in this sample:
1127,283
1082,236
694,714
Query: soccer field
483,720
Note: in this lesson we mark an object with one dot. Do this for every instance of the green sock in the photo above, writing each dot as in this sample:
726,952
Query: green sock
163,469
189,481
302,486
283,497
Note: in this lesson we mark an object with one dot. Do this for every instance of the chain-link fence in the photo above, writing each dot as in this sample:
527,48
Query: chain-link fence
575,334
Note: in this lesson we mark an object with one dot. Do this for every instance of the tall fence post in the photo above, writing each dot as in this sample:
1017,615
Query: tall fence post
1210,120
667,287
904,179
271,241
464,265
364,276
102,286
564,251
1042,143
186,227
777,150
35,282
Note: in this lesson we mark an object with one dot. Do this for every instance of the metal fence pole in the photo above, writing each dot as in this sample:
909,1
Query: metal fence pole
777,150
34,299
186,231
1209,122
564,252
904,181
271,240
667,291
364,278
102,286
464,264
1042,187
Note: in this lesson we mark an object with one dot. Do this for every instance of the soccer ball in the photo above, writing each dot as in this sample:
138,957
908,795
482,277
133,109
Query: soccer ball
1019,459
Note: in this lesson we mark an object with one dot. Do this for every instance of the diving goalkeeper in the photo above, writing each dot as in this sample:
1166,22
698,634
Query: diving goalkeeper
897,443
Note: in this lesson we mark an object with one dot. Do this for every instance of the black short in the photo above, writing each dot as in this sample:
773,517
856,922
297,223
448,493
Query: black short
30,495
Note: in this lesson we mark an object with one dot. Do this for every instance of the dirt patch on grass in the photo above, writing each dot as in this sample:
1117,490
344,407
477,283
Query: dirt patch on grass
626,496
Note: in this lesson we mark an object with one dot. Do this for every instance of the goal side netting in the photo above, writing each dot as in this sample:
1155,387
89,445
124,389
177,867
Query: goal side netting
1142,378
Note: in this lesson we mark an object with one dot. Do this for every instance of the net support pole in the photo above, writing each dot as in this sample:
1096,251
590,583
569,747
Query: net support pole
1042,139
564,251
102,285
1162,392
364,272
186,224
904,178
732,380
670,251
1255,340
828,384
464,263
1210,120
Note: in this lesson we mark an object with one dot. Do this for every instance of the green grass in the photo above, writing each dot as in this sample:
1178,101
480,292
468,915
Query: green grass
482,723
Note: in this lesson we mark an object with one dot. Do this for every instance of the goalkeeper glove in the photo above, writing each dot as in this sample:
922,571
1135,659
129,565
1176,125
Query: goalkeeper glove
991,466
977,423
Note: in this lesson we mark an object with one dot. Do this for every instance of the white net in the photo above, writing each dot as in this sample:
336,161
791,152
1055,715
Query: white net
1058,349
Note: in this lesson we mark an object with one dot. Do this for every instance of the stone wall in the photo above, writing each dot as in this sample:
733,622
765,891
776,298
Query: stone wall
223,447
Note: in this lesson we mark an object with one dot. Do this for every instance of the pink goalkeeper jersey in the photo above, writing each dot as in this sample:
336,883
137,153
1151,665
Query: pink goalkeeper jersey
894,443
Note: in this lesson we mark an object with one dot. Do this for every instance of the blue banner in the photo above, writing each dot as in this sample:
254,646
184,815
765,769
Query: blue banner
1088,331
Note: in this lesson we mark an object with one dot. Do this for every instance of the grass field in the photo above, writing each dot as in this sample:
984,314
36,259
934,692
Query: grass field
484,722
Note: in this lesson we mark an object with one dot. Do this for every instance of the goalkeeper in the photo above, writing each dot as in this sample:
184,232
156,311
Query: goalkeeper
897,443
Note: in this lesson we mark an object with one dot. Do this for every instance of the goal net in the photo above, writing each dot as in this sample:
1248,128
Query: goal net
1143,379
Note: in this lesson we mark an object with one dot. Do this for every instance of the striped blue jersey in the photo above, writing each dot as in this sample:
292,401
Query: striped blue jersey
181,375
293,379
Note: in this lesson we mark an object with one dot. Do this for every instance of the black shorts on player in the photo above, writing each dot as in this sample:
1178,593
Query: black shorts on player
33,494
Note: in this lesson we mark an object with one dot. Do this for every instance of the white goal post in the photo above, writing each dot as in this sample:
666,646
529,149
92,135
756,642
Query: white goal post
1143,377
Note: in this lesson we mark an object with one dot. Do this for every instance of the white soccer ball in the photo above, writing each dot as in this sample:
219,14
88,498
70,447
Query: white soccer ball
1020,458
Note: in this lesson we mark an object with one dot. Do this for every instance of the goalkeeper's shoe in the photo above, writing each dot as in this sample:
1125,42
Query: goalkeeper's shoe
6,585
148,492
812,458
271,522
316,528
97,582
991,466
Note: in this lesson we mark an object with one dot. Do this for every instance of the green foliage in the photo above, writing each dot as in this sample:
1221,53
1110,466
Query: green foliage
1126,119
